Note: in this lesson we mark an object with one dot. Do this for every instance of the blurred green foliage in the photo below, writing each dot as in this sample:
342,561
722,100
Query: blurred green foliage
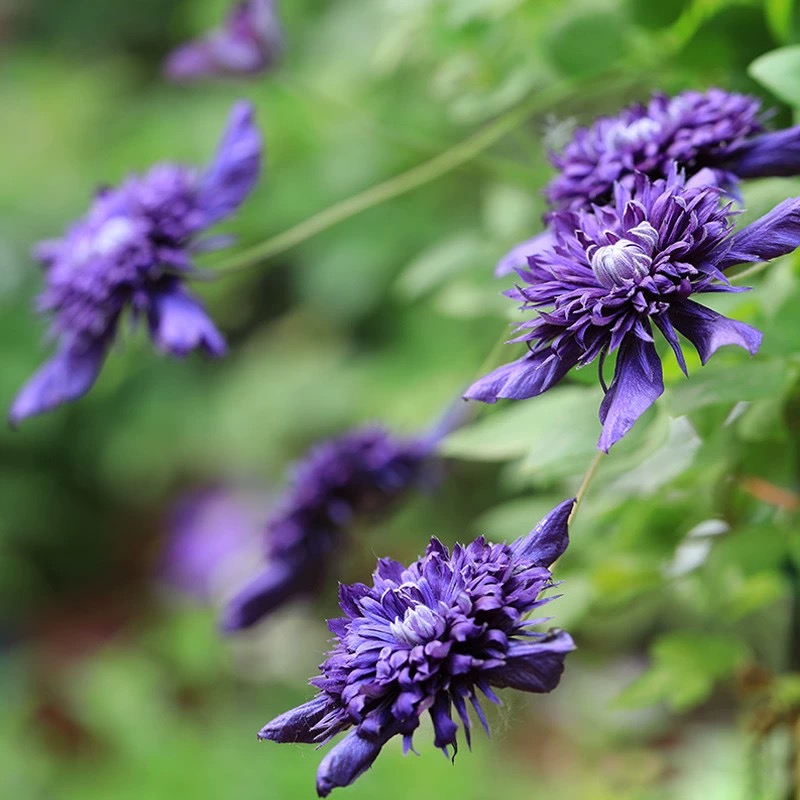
681,580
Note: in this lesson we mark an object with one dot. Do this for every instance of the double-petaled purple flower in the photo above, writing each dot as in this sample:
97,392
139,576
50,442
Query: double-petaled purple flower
431,637
133,251
360,473
714,131
614,270
249,42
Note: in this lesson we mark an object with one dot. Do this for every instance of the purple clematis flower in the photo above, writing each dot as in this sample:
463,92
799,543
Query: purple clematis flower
133,250
714,131
614,270
360,473
250,42
431,637
211,533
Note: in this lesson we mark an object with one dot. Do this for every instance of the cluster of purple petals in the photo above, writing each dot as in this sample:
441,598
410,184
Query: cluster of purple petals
360,473
694,129
133,251
714,131
249,42
435,636
611,273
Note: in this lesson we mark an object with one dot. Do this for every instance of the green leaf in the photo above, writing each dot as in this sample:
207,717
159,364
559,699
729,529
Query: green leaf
558,428
780,14
443,260
685,668
779,71
724,383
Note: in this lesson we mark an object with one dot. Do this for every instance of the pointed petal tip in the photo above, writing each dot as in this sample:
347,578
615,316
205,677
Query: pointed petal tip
64,378
549,539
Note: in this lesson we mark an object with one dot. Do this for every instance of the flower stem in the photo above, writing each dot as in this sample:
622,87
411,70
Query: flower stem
413,178
746,273
587,479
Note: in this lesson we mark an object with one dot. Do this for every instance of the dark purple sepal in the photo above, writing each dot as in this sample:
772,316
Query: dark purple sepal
638,383
548,540
773,154
261,596
235,168
349,759
444,728
708,331
68,375
527,377
179,324
775,234
297,725
534,666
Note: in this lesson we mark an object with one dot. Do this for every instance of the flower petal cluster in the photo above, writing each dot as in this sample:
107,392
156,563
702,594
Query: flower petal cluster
249,42
432,637
360,473
714,131
615,271
133,251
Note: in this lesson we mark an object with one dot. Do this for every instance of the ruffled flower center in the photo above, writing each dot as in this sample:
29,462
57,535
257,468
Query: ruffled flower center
626,260
633,134
419,625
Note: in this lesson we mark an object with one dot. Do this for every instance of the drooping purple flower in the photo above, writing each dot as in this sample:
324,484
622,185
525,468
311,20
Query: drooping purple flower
715,131
249,43
211,533
616,270
360,473
133,251
431,637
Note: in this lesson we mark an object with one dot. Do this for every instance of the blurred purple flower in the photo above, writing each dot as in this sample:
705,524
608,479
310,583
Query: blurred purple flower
249,42
431,637
360,473
133,250
613,270
211,532
715,131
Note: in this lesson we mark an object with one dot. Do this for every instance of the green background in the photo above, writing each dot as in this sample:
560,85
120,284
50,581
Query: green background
678,586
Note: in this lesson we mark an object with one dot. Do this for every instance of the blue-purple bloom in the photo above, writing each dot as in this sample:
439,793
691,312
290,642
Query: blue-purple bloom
211,533
249,42
358,474
714,131
614,270
133,250
431,637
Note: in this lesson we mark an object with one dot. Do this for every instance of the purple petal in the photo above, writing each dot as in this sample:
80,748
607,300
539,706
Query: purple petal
208,530
276,585
518,255
549,539
443,726
534,666
708,331
179,324
527,377
352,757
234,171
68,375
298,724
191,61
775,234
775,154
250,41
637,384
